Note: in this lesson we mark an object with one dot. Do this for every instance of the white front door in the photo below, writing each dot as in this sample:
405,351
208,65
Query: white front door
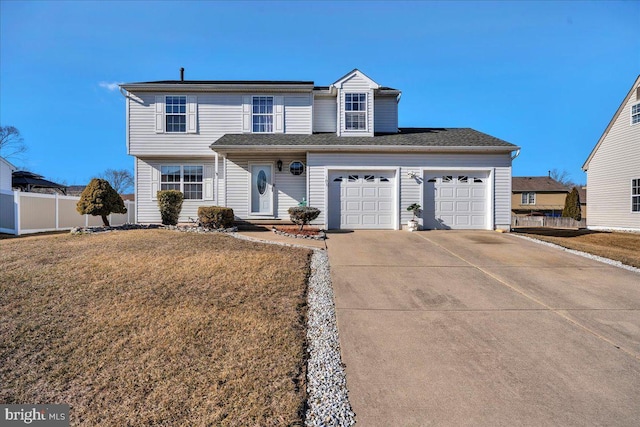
456,200
261,189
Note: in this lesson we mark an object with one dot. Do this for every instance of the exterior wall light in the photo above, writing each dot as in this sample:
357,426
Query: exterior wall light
412,174
279,164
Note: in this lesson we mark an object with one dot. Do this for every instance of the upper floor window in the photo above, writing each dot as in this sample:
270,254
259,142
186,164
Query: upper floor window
355,111
176,113
635,114
528,199
188,179
262,114
635,195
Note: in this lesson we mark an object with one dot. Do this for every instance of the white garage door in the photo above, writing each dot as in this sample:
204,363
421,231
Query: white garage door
361,200
456,200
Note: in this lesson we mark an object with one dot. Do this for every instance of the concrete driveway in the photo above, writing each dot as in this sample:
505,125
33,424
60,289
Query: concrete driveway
481,328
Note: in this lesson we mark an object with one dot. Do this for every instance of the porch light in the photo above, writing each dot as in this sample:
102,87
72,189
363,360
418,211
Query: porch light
279,164
412,174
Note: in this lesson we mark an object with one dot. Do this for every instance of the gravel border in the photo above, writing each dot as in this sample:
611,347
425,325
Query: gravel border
580,253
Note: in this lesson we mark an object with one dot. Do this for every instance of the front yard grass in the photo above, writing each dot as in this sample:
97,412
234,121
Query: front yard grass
154,327
623,247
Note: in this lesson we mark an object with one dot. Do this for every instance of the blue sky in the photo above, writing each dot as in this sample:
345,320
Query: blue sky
547,76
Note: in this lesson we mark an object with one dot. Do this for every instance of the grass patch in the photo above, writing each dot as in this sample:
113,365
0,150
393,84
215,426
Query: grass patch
623,247
154,327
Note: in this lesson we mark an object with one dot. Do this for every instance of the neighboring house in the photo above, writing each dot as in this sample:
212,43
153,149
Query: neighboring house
261,147
6,169
613,170
582,193
537,195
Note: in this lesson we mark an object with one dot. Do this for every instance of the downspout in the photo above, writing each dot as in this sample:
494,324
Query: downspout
215,177
513,157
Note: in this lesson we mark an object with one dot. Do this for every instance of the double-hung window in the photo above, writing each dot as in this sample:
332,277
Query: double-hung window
188,179
635,114
262,114
635,195
355,111
528,198
176,113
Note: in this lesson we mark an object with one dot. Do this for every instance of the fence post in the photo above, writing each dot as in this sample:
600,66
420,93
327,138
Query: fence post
16,213
57,211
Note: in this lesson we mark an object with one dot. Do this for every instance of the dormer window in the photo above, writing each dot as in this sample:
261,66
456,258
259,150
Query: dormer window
355,111
262,117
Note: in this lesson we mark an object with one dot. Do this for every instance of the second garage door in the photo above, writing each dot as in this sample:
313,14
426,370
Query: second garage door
456,200
361,200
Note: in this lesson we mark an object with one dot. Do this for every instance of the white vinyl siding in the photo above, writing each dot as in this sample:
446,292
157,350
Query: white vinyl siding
324,114
411,191
289,189
386,114
217,114
148,178
611,169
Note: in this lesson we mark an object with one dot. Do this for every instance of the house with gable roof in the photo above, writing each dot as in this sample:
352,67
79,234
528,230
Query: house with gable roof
613,170
261,147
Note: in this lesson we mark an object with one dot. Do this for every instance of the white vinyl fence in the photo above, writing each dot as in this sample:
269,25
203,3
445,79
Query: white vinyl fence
24,213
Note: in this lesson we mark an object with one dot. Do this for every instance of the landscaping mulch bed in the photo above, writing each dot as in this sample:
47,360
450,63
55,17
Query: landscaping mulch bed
153,327
623,247
306,232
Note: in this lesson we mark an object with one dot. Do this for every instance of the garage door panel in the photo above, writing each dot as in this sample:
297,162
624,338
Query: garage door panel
352,206
478,192
369,205
369,192
462,192
446,207
463,206
445,192
353,192
478,207
384,206
385,192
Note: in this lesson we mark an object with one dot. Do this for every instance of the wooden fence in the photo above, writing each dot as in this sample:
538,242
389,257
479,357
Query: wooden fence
547,221
24,213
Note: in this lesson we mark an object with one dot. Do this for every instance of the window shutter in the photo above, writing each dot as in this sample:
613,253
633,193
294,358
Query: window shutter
246,114
155,181
159,114
208,182
192,114
279,114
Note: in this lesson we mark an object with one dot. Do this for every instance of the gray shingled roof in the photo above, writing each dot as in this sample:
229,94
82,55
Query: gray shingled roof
407,137
536,183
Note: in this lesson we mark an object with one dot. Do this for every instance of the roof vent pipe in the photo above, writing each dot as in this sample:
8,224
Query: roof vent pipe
181,74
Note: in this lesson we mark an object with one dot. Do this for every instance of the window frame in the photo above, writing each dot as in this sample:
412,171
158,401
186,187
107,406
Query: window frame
182,112
302,171
529,199
635,195
635,116
350,112
265,115
182,182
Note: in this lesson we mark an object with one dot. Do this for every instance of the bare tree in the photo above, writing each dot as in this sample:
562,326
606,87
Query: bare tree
563,177
11,143
121,179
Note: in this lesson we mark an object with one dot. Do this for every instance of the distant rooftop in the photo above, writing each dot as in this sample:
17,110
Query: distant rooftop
536,183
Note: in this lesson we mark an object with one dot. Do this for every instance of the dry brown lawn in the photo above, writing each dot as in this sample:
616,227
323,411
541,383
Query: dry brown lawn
154,327
623,247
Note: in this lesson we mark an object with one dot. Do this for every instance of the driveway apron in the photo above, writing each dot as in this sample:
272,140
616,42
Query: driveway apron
481,328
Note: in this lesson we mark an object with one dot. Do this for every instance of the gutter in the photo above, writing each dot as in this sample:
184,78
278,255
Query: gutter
345,148
216,87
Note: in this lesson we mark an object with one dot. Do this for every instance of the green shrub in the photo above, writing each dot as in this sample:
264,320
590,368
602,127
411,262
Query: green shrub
572,205
100,199
302,215
170,204
215,216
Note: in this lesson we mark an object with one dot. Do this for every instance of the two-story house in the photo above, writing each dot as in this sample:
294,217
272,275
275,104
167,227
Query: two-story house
538,195
613,170
261,147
